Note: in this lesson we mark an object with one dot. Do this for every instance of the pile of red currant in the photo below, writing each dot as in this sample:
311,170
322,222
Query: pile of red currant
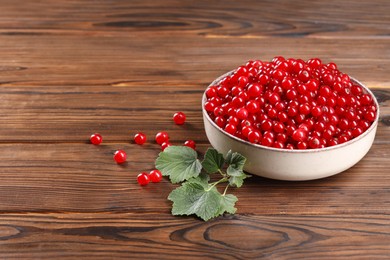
290,104
161,138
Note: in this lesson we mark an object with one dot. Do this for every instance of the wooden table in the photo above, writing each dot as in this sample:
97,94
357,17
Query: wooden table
72,68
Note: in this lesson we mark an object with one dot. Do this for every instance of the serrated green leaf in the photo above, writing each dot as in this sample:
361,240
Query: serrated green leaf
202,179
213,161
237,181
228,156
180,163
193,198
236,160
232,171
227,204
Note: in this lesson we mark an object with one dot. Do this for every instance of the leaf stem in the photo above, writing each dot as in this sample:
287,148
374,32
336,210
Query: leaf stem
224,179
222,173
224,192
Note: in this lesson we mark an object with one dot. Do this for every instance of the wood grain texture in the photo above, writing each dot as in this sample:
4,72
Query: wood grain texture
84,178
72,68
155,236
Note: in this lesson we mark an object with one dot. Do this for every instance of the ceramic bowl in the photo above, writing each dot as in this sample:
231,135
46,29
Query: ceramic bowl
292,165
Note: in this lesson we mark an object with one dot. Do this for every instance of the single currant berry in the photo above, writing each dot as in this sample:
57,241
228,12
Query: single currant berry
220,121
370,116
366,99
120,156
254,136
155,176
253,106
299,135
143,179
96,139
162,137
242,113
314,142
302,145
190,143
255,90
140,138
230,128
165,145
211,92
179,118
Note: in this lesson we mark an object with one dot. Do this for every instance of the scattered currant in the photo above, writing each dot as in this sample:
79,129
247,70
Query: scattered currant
179,118
140,138
120,156
290,104
162,137
96,139
165,145
155,176
190,143
143,179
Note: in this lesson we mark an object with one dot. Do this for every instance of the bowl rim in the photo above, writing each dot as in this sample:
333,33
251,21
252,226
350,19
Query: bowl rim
283,150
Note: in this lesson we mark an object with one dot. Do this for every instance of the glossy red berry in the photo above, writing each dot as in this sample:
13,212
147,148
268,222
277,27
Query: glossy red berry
96,139
254,136
161,137
165,145
120,156
179,118
155,176
140,138
143,179
299,135
231,129
242,113
190,143
291,104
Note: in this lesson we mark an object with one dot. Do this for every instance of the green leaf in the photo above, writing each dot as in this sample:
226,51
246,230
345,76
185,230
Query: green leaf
180,163
232,171
235,160
193,198
213,161
202,179
227,204
237,181
229,156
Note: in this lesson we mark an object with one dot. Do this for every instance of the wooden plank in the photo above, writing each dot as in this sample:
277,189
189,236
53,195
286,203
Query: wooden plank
156,236
83,177
72,114
78,60
283,18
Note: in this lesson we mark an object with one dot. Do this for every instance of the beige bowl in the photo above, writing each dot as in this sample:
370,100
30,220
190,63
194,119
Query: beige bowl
293,165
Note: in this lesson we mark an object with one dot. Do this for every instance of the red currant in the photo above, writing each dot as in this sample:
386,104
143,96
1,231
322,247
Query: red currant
96,139
190,143
155,176
120,156
242,113
255,90
299,135
254,136
165,145
143,179
140,138
231,129
179,118
290,104
162,137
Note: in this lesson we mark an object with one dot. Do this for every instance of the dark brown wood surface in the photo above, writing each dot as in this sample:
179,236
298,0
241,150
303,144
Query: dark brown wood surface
72,68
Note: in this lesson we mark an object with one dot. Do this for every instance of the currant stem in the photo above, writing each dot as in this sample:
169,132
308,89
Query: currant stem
222,173
216,183
226,188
